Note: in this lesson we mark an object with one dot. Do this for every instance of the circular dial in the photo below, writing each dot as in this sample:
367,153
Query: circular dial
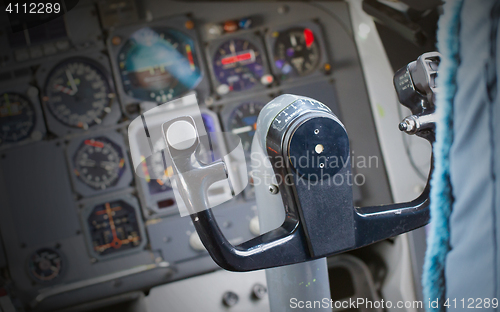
158,64
243,122
114,227
99,163
17,117
45,264
296,52
78,93
238,65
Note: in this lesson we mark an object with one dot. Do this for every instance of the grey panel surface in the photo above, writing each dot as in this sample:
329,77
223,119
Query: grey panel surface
204,293
323,91
171,235
39,193
3,256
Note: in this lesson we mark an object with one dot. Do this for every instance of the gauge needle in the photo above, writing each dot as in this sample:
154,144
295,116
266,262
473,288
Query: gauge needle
232,48
242,130
74,89
293,40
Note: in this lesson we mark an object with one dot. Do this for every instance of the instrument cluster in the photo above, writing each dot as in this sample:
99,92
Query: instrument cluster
81,101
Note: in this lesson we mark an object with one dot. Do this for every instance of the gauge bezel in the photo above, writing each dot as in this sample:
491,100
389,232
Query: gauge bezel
256,40
176,23
87,211
318,33
59,276
85,190
101,62
22,87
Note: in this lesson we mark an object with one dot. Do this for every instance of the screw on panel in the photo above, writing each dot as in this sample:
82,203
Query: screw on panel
273,189
230,299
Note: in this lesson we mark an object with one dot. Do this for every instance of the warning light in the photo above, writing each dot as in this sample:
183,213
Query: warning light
327,67
116,40
189,25
309,37
267,79
230,26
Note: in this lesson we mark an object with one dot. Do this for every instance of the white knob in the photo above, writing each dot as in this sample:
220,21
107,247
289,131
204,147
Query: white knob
181,135
195,242
254,226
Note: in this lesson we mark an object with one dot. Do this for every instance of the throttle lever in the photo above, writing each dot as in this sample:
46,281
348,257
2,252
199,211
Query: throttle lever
308,148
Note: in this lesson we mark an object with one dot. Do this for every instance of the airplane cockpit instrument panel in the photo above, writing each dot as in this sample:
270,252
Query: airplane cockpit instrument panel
79,223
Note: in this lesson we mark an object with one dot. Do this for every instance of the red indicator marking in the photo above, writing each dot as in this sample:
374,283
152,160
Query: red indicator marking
94,143
190,57
237,58
309,37
3,292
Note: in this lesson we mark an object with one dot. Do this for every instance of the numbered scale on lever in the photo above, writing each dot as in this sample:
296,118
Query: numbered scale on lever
307,148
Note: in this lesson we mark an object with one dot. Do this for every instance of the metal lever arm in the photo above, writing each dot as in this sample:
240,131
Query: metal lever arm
282,246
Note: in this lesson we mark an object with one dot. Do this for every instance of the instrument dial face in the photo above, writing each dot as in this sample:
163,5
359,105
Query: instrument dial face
114,227
45,265
296,52
78,93
99,163
238,65
17,117
158,64
243,122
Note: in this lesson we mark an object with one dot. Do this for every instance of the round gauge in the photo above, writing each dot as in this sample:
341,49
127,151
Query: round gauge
243,122
158,182
238,65
296,52
78,93
45,264
158,64
113,227
17,117
99,163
